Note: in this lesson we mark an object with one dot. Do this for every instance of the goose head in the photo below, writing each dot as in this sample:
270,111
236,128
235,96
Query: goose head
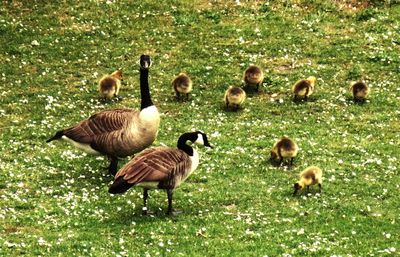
196,137
145,61
202,139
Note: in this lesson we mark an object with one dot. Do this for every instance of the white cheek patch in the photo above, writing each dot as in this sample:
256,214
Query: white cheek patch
199,139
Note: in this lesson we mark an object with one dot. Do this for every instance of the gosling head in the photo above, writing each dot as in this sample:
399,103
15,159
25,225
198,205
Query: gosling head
312,80
297,186
145,62
274,155
117,74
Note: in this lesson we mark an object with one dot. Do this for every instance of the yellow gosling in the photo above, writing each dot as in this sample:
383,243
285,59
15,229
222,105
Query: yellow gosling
109,85
285,148
253,77
308,177
182,84
234,97
360,91
302,89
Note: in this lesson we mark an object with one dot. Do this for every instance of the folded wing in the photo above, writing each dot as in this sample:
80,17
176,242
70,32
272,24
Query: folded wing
159,164
98,124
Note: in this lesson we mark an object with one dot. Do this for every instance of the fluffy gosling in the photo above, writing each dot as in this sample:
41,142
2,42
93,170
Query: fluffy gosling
285,148
253,77
109,85
234,97
302,89
308,177
182,84
360,91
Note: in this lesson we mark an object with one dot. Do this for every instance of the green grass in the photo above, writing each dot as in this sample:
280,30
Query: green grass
54,199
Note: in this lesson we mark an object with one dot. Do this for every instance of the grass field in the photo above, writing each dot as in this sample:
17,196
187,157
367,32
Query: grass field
54,199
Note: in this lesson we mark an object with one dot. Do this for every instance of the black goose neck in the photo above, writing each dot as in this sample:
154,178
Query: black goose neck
144,89
184,147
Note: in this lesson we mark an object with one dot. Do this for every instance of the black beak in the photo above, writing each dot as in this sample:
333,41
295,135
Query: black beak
208,145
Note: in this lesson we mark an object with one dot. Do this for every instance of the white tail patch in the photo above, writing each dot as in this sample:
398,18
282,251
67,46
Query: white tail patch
84,147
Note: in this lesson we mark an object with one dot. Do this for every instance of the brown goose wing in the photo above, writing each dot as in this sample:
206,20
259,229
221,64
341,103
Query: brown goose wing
155,164
98,124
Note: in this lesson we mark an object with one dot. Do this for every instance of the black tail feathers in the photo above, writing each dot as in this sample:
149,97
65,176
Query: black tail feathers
119,186
58,135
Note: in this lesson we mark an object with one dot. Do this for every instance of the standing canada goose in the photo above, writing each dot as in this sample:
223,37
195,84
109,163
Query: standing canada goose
302,89
253,77
284,148
160,168
109,85
117,133
308,177
360,91
182,84
234,97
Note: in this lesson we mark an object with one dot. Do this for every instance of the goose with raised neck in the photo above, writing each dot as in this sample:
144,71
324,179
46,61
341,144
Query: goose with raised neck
117,133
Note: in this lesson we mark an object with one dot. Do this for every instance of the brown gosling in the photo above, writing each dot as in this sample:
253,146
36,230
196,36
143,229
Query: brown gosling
253,77
234,97
310,176
360,91
285,148
302,89
109,85
182,84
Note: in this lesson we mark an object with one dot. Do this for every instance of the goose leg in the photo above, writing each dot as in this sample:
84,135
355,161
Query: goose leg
145,196
113,166
308,189
169,195
320,188
291,161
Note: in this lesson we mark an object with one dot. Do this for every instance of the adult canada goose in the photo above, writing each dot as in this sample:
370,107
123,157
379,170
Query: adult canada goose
117,133
302,89
308,177
160,168
109,85
285,148
234,97
253,77
360,91
182,84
